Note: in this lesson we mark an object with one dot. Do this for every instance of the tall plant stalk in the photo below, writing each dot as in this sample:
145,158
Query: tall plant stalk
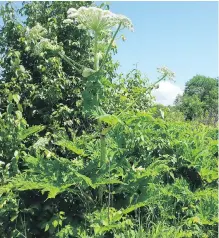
102,137
111,20
96,60
96,67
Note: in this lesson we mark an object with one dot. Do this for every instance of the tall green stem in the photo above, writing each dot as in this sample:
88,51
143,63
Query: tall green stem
71,61
103,149
96,60
109,46
96,64
102,137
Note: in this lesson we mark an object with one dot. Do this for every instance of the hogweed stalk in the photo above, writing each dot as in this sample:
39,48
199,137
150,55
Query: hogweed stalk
99,23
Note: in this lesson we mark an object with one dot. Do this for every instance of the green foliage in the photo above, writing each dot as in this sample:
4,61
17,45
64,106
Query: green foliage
128,92
168,113
200,100
157,168
70,146
158,176
46,86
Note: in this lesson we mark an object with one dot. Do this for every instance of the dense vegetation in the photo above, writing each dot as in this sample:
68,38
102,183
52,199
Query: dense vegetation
86,152
200,100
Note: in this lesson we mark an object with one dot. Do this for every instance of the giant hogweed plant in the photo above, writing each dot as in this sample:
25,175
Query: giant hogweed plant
99,24
104,26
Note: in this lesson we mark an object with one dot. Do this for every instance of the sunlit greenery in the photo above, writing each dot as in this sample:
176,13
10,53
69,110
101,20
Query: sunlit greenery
85,151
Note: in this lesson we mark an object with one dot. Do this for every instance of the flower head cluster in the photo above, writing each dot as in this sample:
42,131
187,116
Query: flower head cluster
37,35
46,45
37,32
97,19
166,72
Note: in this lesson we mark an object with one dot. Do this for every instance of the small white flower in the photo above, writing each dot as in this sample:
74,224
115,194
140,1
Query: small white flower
125,22
71,11
37,33
166,72
68,21
137,169
46,44
114,44
123,37
140,168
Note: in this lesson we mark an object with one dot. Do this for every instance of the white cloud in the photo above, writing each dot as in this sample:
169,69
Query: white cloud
166,93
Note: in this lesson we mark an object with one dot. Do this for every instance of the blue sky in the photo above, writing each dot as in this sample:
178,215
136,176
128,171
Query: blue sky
180,35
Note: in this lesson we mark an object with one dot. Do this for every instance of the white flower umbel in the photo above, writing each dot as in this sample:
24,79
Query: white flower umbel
166,73
68,21
36,32
100,23
37,35
97,19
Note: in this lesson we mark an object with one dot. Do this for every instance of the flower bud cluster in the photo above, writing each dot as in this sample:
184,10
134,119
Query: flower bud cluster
46,44
37,35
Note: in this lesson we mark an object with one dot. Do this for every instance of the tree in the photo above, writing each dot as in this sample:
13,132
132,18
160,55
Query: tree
200,99
49,89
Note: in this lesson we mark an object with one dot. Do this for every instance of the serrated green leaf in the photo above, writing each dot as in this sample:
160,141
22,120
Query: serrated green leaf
20,108
41,143
31,130
86,179
53,191
31,160
134,207
109,119
70,146
109,181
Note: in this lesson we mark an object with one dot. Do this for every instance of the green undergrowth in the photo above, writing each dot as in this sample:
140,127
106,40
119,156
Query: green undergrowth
159,180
